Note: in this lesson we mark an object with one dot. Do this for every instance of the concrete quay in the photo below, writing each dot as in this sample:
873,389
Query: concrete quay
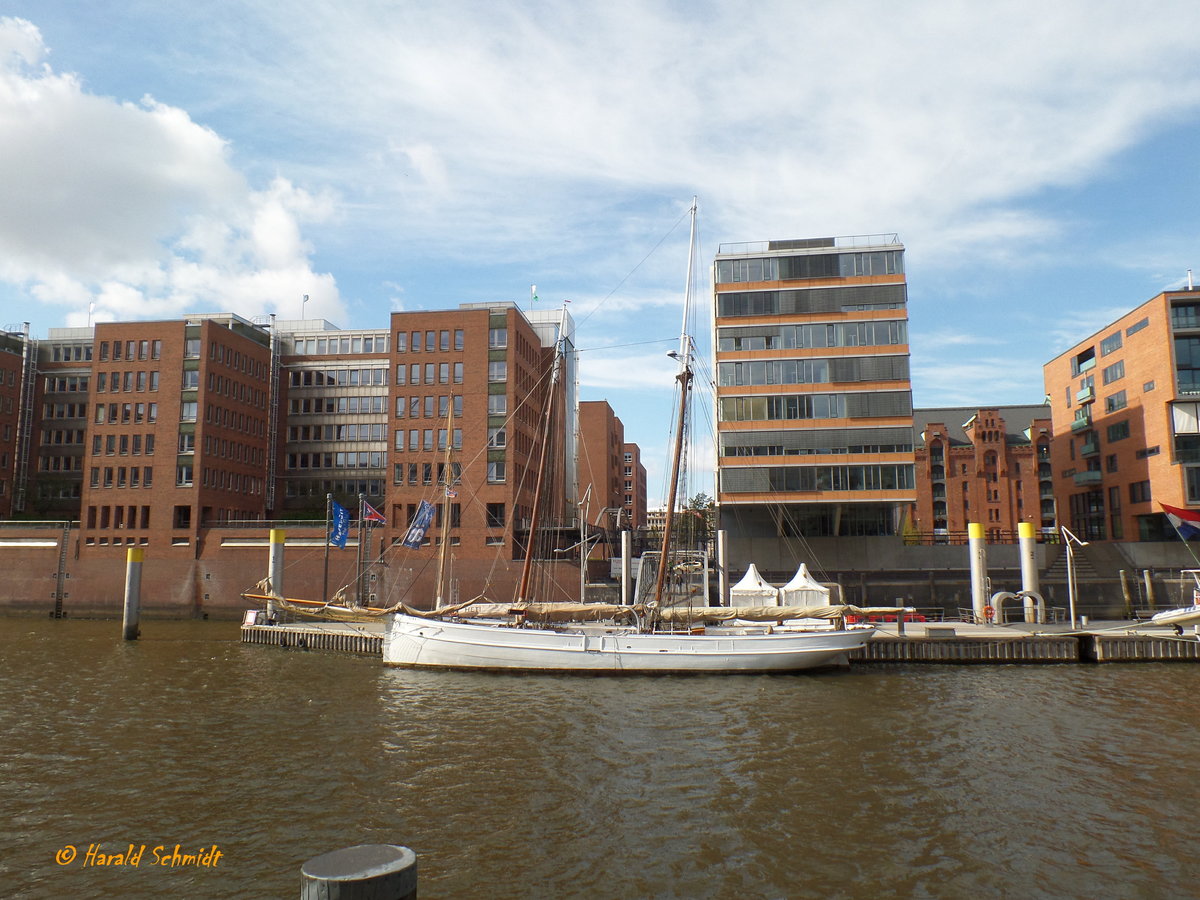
944,643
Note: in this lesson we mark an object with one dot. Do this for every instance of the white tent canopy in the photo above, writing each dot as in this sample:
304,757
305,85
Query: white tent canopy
804,590
753,590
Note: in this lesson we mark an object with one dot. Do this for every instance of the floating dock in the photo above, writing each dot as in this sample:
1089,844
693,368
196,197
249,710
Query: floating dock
945,643
343,637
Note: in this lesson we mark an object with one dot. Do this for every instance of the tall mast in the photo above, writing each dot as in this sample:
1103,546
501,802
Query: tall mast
447,478
685,385
531,541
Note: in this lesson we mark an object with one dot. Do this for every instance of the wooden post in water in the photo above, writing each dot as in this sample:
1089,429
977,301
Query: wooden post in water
1148,578
1126,593
133,593
364,872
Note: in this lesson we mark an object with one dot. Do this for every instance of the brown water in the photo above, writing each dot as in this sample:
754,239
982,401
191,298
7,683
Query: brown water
895,781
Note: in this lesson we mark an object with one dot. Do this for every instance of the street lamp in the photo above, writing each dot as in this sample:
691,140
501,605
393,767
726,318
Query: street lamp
1068,540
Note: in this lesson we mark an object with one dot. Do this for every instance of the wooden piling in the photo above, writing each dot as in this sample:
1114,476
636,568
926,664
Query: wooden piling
364,872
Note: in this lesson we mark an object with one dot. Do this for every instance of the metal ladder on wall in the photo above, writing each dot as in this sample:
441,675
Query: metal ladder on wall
24,420
59,594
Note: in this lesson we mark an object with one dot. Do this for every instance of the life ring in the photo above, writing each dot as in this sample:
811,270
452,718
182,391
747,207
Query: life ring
988,612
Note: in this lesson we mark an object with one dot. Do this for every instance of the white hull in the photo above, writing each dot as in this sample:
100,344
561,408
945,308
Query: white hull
1181,616
415,641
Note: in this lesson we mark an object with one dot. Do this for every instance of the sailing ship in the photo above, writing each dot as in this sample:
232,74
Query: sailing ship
651,637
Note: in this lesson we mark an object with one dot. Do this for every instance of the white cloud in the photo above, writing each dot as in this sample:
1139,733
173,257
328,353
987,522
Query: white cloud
135,207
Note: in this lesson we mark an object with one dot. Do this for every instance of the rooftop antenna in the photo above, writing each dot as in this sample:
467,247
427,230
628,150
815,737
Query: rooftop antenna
1189,279
303,304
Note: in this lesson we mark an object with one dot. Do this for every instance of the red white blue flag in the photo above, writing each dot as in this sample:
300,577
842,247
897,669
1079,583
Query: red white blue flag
371,514
1186,521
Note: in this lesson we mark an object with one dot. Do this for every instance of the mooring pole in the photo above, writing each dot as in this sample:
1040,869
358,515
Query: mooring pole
977,549
275,570
365,872
1027,541
133,593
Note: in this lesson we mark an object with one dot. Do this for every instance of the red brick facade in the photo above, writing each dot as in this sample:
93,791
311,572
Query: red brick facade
989,466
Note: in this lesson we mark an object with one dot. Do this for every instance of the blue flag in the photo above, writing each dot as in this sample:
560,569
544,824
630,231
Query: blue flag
341,525
420,524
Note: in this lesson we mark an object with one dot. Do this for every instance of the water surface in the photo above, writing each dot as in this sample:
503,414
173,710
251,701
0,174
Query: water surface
900,781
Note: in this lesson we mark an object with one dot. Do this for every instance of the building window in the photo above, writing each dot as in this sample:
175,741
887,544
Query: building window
497,370
1118,431
1139,492
497,338
495,515
497,438
458,338
1116,401
1114,372
497,405
496,472
1110,343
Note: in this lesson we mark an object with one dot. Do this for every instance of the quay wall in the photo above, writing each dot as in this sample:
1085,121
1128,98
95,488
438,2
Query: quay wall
207,577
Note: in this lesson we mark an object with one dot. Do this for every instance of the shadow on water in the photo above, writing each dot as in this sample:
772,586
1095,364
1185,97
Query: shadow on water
883,781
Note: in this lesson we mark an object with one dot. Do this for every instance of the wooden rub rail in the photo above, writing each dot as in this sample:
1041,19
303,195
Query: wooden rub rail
342,640
962,649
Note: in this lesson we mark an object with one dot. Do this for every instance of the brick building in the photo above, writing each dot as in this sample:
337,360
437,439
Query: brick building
171,436
814,398
634,476
1126,408
177,434
988,465
13,402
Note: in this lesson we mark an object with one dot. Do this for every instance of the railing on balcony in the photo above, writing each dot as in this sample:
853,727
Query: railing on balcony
1091,476
1081,422
1087,395
1090,448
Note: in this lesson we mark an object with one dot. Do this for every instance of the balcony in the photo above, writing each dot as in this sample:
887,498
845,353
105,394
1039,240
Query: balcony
1089,448
1082,422
1087,395
1091,476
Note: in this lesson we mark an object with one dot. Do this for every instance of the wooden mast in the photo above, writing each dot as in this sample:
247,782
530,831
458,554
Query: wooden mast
531,538
685,384
447,478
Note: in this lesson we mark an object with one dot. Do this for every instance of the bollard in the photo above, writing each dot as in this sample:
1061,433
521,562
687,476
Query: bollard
133,593
365,872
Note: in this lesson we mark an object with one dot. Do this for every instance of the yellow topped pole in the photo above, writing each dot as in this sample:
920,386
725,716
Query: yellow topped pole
133,593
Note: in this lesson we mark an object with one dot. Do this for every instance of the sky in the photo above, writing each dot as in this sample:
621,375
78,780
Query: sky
1038,161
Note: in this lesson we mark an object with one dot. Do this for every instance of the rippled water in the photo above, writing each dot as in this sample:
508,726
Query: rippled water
892,781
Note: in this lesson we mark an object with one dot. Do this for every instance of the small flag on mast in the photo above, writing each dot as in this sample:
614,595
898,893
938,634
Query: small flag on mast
533,297
371,514
450,492
340,526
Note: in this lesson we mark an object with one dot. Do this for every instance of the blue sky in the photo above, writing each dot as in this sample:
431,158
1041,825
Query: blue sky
1039,162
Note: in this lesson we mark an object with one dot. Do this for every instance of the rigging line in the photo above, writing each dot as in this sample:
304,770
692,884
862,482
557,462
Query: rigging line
653,250
670,340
